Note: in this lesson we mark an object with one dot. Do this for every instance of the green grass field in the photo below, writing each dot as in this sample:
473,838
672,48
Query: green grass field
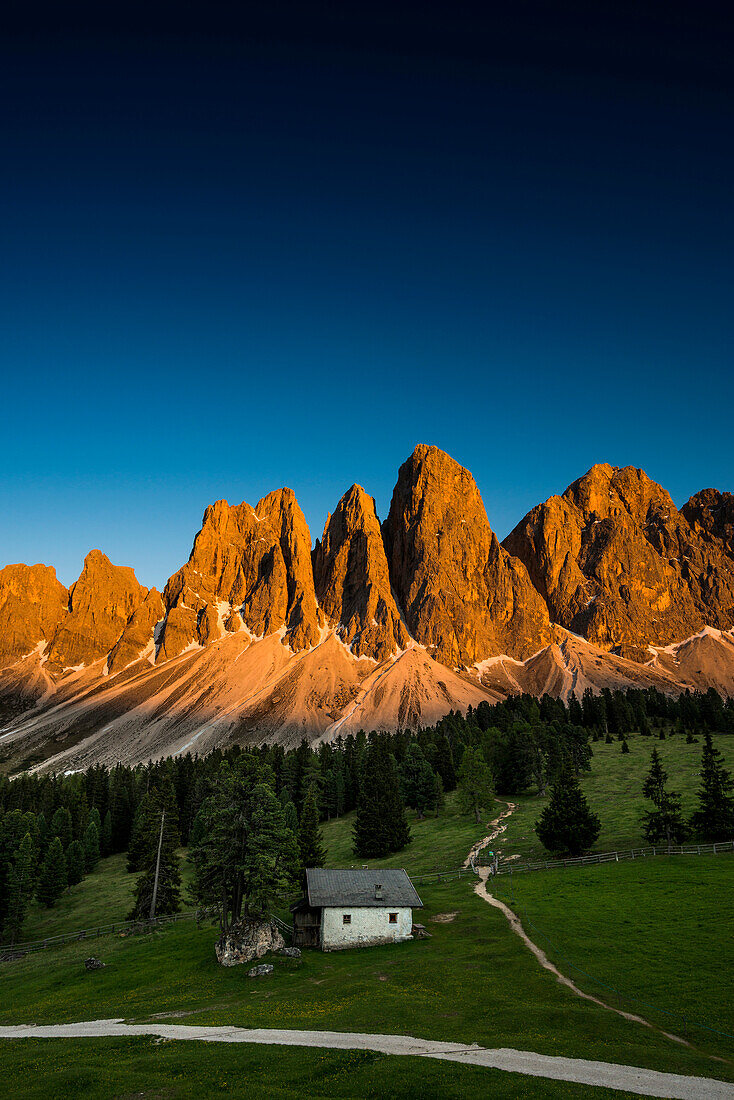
104,897
36,1069
659,930
472,981
613,788
437,843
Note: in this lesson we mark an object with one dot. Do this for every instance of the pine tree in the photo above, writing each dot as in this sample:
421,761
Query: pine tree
625,745
567,826
475,783
418,781
75,863
665,822
61,826
106,839
21,885
52,881
91,846
245,857
381,826
714,818
310,837
290,815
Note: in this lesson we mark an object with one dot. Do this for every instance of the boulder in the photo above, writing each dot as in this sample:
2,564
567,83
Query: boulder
290,952
247,940
93,964
261,971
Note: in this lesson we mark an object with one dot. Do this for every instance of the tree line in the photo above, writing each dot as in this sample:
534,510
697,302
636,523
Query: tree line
53,829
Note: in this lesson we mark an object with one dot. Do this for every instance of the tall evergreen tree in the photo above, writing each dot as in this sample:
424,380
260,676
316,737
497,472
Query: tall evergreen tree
310,837
665,822
165,868
245,858
567,826
52,881
475,783
418,781
21,886
61,826
714,818
381,826
91,845
75,862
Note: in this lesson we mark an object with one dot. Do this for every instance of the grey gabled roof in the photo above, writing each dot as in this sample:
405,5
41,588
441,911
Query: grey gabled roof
357,888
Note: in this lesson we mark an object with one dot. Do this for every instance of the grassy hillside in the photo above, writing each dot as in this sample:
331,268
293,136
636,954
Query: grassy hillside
614,791
104,897
472,981
437,844
661,931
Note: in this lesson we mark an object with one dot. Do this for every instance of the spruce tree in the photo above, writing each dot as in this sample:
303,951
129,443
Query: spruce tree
106,838
75,863
665,822
310,837
61,826
475,783
418,781
714,818
381,826
290,815
21,885
52,881
567,826
91,846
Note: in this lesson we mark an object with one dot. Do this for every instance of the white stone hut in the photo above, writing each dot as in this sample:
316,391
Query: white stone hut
354,908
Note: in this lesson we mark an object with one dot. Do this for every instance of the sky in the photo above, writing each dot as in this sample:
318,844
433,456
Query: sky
285,246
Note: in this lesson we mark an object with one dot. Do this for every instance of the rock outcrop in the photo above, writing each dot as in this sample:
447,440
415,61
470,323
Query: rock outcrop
32,604
100,605
284,515
138,637
619,564
353,582
711,515
251,563
247,940
464,597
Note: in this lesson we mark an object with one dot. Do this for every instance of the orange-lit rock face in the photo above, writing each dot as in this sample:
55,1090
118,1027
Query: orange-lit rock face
32,604
463,596
620,565
251,563
711,515
100,604
352,579
284,515
138,635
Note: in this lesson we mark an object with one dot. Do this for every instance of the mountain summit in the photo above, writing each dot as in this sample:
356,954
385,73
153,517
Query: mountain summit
257,637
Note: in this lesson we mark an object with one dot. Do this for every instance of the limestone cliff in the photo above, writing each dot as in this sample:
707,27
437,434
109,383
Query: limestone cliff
353,582
619,564
464,597
32,604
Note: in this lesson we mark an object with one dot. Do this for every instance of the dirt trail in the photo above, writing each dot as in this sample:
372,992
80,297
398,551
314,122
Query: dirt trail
496,827
515,923
641,1082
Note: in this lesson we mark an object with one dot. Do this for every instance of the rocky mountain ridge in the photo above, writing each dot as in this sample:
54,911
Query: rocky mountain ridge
380,626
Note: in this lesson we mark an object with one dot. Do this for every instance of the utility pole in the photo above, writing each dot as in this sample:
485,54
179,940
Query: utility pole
157,868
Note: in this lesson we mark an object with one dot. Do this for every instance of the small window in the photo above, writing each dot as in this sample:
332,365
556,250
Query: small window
393,918
347,918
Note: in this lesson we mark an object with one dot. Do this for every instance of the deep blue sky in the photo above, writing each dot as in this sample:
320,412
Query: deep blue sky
284,252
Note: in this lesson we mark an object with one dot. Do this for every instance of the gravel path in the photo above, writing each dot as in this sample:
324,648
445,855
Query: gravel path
644,1082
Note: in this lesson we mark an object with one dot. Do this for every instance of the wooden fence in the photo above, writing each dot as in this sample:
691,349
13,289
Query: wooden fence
125,927
511,866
